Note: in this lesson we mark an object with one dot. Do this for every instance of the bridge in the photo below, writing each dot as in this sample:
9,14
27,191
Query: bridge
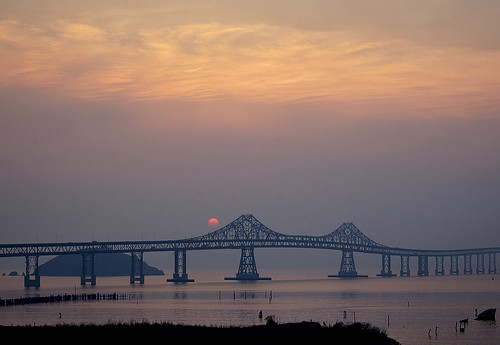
246,233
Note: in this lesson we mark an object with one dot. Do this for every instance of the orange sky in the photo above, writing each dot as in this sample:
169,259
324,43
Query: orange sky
425,57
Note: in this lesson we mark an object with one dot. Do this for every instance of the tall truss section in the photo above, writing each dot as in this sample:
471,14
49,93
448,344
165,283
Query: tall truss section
248,268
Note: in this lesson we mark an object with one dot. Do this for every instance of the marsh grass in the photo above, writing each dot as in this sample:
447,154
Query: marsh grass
271,333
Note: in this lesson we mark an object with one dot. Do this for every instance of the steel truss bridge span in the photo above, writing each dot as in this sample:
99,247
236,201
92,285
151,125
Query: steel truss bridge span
247,233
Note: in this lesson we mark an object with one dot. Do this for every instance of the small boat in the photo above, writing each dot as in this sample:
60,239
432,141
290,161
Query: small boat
488,314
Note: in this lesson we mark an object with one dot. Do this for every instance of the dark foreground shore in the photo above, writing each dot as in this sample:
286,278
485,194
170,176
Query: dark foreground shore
288,333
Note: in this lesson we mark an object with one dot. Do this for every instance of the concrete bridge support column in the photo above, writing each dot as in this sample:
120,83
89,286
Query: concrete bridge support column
137,268
480,264
247,269
439,265
88,274
454,265
31,277
405,266
386,266
467,264
492,267
180,275
423,265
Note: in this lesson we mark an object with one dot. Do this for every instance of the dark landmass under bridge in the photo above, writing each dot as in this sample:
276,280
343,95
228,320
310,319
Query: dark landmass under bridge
105,265
287,333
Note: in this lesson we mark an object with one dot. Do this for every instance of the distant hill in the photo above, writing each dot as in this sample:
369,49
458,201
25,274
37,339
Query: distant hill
109,264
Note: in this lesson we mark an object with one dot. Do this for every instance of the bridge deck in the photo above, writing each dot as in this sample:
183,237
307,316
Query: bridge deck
246,233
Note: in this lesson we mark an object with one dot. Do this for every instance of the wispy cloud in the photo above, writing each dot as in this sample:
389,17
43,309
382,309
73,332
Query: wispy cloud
256,62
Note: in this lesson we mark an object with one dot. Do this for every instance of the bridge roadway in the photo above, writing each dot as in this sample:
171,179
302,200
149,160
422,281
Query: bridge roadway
247,233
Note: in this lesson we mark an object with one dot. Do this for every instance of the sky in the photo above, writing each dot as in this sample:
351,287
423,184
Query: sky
142,120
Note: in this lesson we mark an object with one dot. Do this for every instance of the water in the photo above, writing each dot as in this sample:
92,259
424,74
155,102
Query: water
414,305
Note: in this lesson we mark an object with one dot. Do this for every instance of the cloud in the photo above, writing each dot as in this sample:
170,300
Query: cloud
246,61
78,32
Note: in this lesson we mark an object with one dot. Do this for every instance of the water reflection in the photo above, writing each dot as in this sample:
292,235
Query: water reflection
434,302
180,295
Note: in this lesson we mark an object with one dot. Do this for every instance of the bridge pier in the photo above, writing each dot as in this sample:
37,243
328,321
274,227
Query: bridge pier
347,266
31,277
386,266
247,269
454,265
88,274
439,265
180,275
137,268
423,265
467,264
405,266
492,267
480,264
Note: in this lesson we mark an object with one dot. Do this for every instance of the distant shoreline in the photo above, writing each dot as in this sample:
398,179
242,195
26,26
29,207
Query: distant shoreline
271,333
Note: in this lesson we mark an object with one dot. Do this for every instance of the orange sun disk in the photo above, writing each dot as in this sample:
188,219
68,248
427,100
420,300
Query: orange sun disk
213,222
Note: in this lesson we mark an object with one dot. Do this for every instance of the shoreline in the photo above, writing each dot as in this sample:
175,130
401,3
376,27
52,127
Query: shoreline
270,333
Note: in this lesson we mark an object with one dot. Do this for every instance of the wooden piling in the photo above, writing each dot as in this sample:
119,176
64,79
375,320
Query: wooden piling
62,298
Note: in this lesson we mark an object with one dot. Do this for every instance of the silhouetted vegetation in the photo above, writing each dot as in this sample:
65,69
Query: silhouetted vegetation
271,333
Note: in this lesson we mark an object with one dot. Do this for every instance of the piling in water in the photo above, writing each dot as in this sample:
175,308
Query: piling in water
62,298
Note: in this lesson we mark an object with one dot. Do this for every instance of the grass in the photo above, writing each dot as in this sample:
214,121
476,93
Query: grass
271,333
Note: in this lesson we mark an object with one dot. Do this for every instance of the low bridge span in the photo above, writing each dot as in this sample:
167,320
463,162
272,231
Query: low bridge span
247,233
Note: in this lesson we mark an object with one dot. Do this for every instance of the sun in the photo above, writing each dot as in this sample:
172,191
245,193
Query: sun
213,222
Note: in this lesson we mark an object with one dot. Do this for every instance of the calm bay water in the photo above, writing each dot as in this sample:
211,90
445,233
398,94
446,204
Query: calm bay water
405,307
